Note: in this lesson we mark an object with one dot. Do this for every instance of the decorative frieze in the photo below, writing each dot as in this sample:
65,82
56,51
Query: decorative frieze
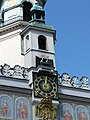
74,112
14,107
16,72
66,80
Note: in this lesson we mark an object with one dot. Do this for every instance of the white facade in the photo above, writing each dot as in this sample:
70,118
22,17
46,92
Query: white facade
10,48
28,43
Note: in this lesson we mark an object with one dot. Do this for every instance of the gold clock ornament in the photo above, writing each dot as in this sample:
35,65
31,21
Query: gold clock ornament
46,110
45,86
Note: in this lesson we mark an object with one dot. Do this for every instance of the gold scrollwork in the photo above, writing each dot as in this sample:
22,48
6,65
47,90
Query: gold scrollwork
46,110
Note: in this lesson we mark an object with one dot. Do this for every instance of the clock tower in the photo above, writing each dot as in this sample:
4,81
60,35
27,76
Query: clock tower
26,40
30,88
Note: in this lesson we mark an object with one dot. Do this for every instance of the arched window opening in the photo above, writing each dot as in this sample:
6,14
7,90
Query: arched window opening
38,16
26,11
27,42
42,42
3,16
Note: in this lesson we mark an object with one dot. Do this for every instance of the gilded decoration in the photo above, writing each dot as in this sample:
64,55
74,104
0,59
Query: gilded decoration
46,110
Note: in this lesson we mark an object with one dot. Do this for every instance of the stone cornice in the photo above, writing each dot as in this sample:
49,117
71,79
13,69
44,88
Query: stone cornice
41,51
15,6
10,27
15,90
73,92
9,36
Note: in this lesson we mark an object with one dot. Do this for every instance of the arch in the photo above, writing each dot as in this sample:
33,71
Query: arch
2,15
81,113
22,108
66,112
4,95
26,11
27,42
5,106
42,42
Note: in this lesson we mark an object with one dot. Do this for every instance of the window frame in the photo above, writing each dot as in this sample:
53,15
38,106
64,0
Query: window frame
42,40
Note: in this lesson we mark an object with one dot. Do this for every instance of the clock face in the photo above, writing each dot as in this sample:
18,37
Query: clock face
45,86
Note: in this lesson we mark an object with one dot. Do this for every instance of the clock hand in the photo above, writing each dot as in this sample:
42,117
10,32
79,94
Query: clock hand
46,80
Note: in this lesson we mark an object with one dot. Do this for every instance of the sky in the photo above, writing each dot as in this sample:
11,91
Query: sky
71,19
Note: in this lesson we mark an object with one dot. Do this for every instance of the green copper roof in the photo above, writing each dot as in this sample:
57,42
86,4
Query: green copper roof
38,25
36,7
41,25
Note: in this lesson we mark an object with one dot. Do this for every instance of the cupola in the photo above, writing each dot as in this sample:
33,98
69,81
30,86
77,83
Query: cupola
37,13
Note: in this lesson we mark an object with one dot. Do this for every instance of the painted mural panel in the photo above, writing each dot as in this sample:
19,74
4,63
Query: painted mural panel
5,107
66,112
81,113
22,109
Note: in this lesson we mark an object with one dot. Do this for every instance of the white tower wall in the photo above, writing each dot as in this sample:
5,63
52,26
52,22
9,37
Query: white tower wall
33,51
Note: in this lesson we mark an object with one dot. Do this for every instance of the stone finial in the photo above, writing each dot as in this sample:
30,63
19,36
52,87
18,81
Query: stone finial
74,81
6,70
17,71
25,73
40,2
84,82
65,79
36,2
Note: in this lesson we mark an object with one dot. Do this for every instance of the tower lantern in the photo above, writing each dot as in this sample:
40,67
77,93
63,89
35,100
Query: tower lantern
37,13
